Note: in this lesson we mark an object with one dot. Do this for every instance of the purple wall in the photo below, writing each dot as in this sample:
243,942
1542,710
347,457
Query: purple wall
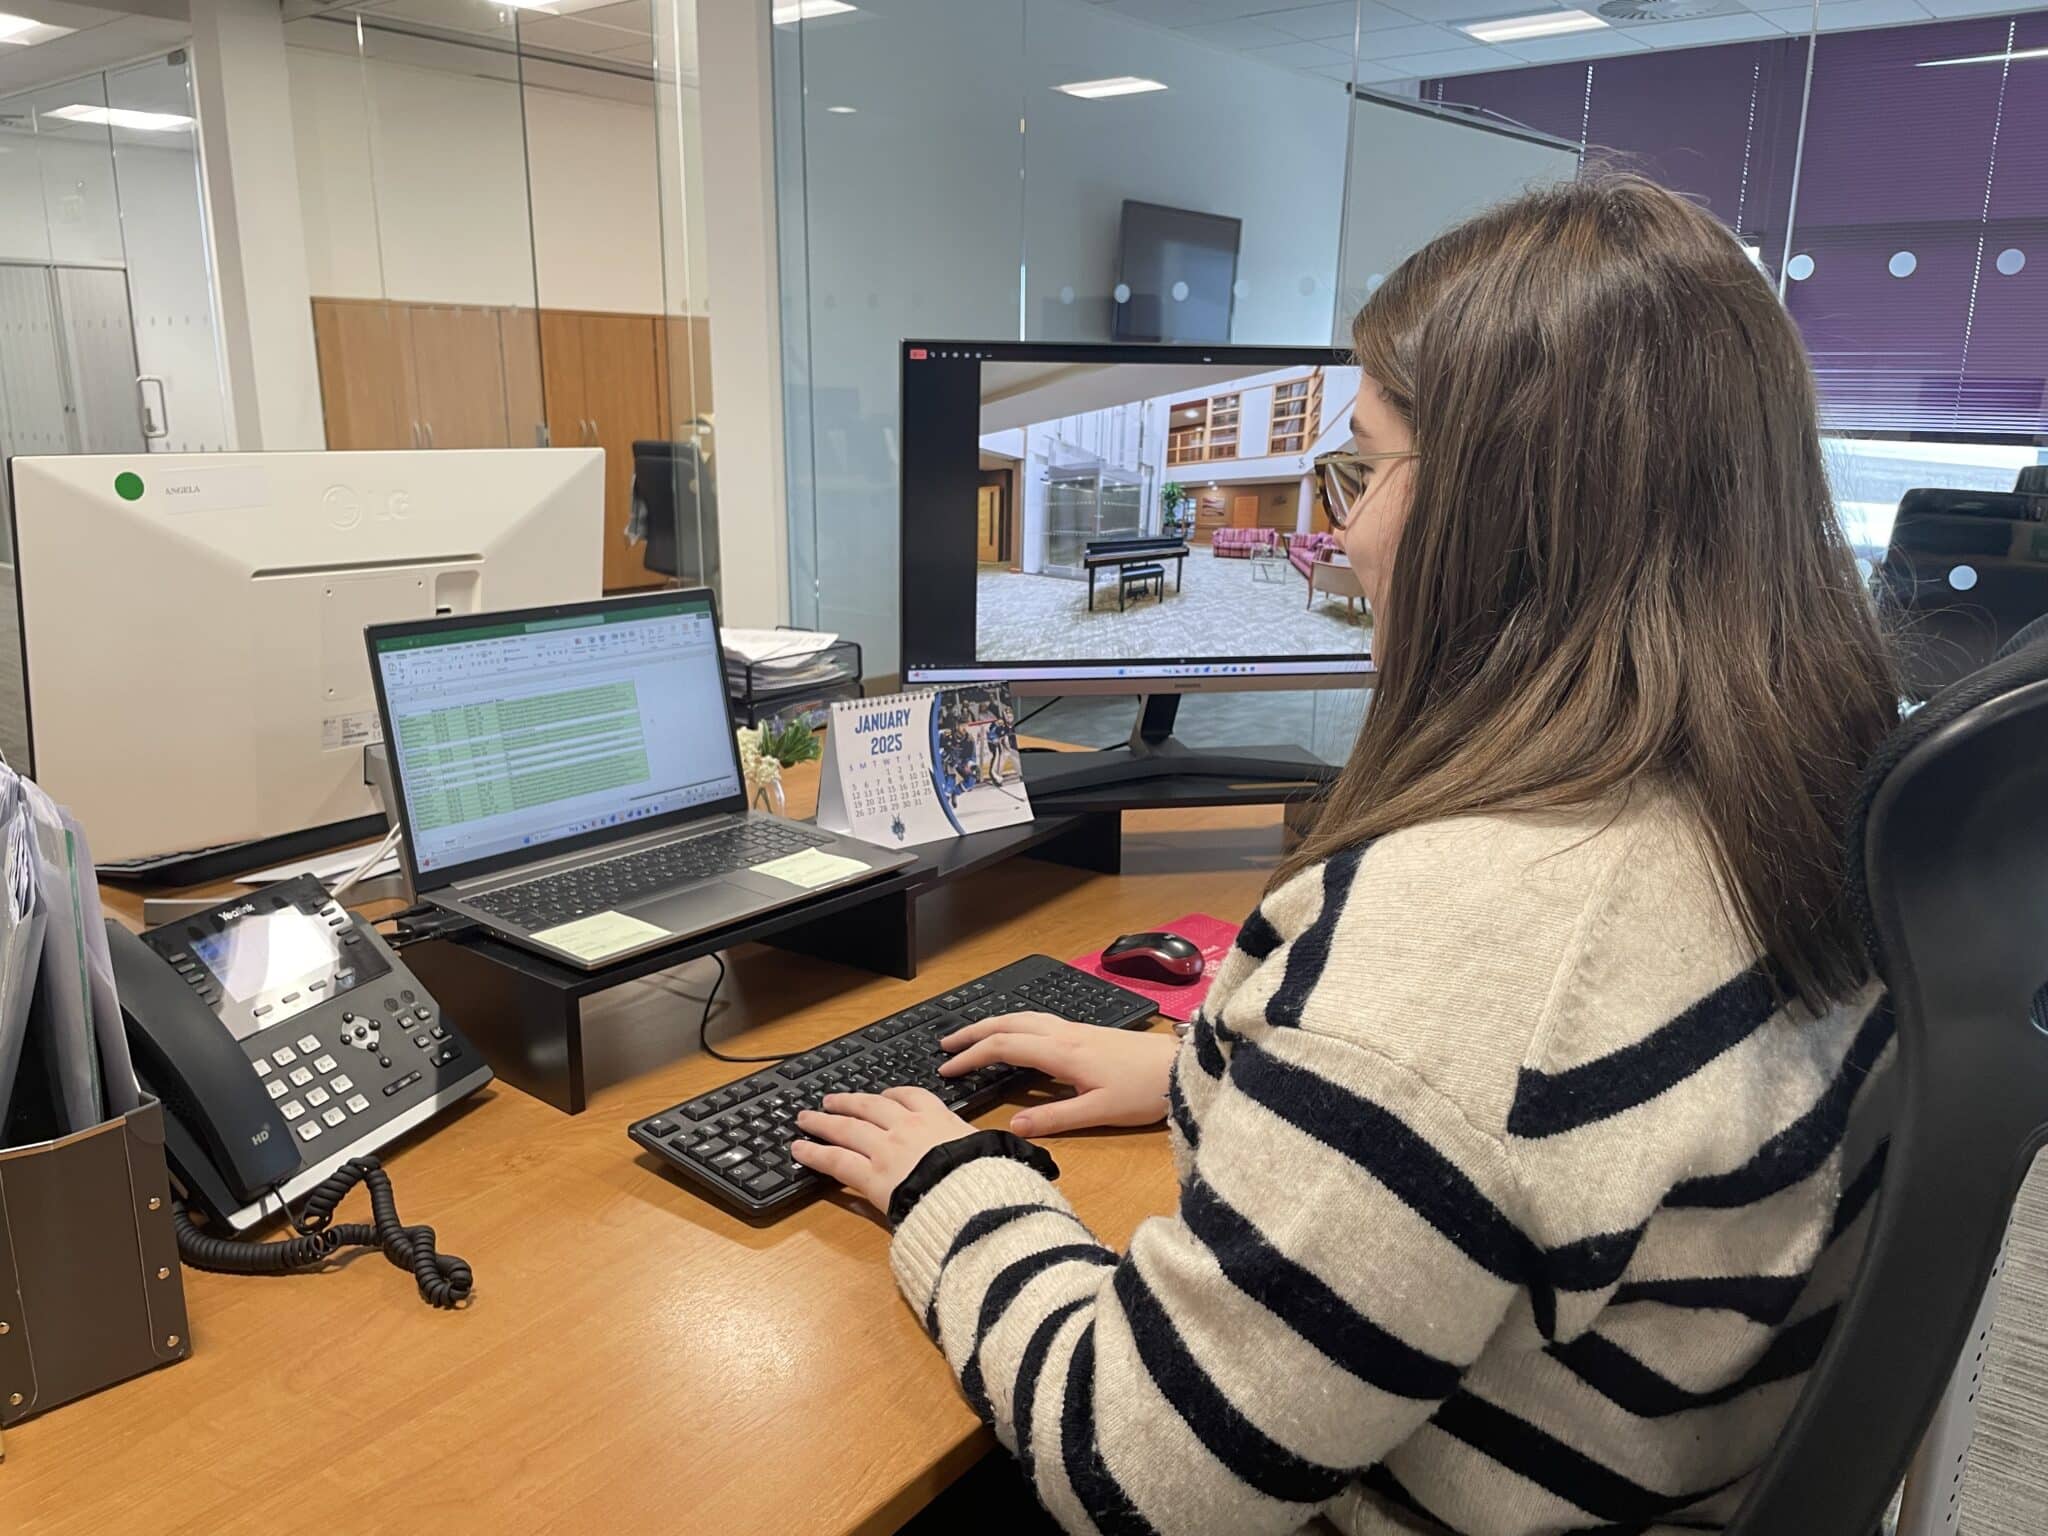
1898,158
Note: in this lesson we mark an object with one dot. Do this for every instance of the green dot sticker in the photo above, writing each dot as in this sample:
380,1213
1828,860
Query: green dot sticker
128,486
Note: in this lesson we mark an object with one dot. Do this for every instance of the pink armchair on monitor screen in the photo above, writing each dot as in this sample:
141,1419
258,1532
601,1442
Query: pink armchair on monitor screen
1238,543
1305,549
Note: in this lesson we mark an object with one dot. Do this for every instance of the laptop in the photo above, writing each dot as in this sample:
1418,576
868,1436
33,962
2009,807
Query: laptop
567,778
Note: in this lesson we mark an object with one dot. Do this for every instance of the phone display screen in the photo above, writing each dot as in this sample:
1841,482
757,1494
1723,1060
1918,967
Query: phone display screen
269,952
277,962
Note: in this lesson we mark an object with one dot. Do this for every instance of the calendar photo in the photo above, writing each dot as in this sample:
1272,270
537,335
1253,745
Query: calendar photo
980,772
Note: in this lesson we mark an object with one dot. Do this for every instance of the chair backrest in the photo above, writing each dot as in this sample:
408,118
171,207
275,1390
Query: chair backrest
1963,572
1948,854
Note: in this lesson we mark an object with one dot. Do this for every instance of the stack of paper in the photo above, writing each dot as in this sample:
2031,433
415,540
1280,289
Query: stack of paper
64,1062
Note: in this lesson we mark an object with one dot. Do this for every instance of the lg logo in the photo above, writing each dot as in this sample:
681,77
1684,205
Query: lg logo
347,507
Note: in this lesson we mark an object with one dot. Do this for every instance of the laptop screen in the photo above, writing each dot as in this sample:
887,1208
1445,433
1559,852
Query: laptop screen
511,734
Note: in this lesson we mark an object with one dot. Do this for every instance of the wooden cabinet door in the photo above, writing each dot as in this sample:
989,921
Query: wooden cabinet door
1244,511
622,401
459,373
525,398
561,375
366,373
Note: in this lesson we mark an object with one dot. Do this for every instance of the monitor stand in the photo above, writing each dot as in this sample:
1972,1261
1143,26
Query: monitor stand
1253,774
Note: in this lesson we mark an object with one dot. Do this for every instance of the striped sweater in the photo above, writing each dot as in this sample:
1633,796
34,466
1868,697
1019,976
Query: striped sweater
1511,1202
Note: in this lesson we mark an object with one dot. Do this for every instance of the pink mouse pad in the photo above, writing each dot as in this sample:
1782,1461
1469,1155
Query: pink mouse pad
1211,935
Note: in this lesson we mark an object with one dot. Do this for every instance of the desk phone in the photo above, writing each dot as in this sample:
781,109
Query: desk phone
286,1039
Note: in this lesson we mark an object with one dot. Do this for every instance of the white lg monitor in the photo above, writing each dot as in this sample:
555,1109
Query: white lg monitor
192,624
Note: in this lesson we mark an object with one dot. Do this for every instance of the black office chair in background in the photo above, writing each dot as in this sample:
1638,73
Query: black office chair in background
1949,859
1964,570
673,511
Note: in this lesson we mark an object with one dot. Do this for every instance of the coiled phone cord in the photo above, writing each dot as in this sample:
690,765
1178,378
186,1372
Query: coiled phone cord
442,1278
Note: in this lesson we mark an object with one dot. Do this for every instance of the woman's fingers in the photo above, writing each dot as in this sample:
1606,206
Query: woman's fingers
863,1136
874,1108
1018,1050
915,1099
1004,1023
849,1168
1078,1113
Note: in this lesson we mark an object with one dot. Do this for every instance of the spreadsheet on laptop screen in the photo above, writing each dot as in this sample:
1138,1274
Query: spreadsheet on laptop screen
517,735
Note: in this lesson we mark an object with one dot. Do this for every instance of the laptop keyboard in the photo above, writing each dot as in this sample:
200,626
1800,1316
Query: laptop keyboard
634,877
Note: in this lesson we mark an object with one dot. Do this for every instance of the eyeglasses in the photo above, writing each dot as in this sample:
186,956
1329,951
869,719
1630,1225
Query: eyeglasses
1341,480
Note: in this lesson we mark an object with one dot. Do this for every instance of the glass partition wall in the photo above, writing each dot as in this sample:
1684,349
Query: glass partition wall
109,334
960,170
500,205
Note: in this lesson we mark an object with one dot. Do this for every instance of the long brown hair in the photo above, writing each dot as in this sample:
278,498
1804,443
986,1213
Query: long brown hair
1621,558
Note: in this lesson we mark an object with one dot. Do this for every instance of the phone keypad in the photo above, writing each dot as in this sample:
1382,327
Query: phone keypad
292,1074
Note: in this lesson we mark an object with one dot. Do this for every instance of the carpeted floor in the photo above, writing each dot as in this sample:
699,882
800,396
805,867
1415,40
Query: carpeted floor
1224,608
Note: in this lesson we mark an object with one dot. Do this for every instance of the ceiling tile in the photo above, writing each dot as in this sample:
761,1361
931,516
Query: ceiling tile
1368,73
1301,55
1396,41
1316,23
1187,13
1707,29
1451,61
1453,10
1239,34
1951,9
1579,45
1846,14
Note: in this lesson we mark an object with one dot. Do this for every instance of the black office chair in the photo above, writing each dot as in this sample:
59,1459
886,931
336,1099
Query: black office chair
670,484
1963,572
1948,853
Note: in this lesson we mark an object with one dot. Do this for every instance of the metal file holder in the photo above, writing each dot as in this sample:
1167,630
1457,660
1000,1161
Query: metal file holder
90,1289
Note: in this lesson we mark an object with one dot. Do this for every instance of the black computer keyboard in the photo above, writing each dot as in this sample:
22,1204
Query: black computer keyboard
734,1141
588,888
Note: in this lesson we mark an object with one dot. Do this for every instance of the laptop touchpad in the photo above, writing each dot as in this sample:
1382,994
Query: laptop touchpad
692,911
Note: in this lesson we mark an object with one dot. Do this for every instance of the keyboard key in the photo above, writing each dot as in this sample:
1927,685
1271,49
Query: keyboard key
660,1127
741,1172
704,1151
767,1182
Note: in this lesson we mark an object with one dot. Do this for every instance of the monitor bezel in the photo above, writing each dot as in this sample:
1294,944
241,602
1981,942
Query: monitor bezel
1118,674
475,869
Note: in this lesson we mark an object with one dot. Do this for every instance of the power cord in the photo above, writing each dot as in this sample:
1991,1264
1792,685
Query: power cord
704,1026
443,1279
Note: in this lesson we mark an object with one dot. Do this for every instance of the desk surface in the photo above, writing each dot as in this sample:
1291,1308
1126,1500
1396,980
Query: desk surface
635,1358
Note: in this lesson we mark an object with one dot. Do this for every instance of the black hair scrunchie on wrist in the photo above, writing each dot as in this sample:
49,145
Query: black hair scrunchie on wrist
948,1155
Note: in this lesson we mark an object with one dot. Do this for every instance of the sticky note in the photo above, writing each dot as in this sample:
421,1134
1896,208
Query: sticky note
811,868
600,934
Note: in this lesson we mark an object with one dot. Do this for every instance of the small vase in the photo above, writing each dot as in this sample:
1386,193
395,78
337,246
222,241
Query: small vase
769,798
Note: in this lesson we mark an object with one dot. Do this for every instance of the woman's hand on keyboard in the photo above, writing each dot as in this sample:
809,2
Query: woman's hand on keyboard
870,1141
1118,1077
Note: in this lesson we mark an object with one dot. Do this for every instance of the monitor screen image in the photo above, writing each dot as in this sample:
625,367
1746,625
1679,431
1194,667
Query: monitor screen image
1083,515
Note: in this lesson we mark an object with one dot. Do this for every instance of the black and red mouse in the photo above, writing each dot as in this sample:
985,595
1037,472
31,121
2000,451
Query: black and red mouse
1164,958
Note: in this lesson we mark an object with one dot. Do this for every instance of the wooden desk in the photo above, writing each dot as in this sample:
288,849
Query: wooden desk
636,1359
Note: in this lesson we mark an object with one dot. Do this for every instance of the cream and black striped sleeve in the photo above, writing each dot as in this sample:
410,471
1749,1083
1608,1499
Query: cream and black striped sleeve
1249,1357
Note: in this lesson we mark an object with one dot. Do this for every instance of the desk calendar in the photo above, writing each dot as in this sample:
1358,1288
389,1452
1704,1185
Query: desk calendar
910,768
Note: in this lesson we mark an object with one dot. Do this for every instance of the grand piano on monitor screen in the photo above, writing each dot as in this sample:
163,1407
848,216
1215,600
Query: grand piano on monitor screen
1128,549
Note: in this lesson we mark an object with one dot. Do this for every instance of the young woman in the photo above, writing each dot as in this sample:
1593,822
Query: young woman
1520,1139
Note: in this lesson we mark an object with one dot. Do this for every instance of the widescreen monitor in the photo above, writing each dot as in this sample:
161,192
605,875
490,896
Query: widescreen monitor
1125,519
